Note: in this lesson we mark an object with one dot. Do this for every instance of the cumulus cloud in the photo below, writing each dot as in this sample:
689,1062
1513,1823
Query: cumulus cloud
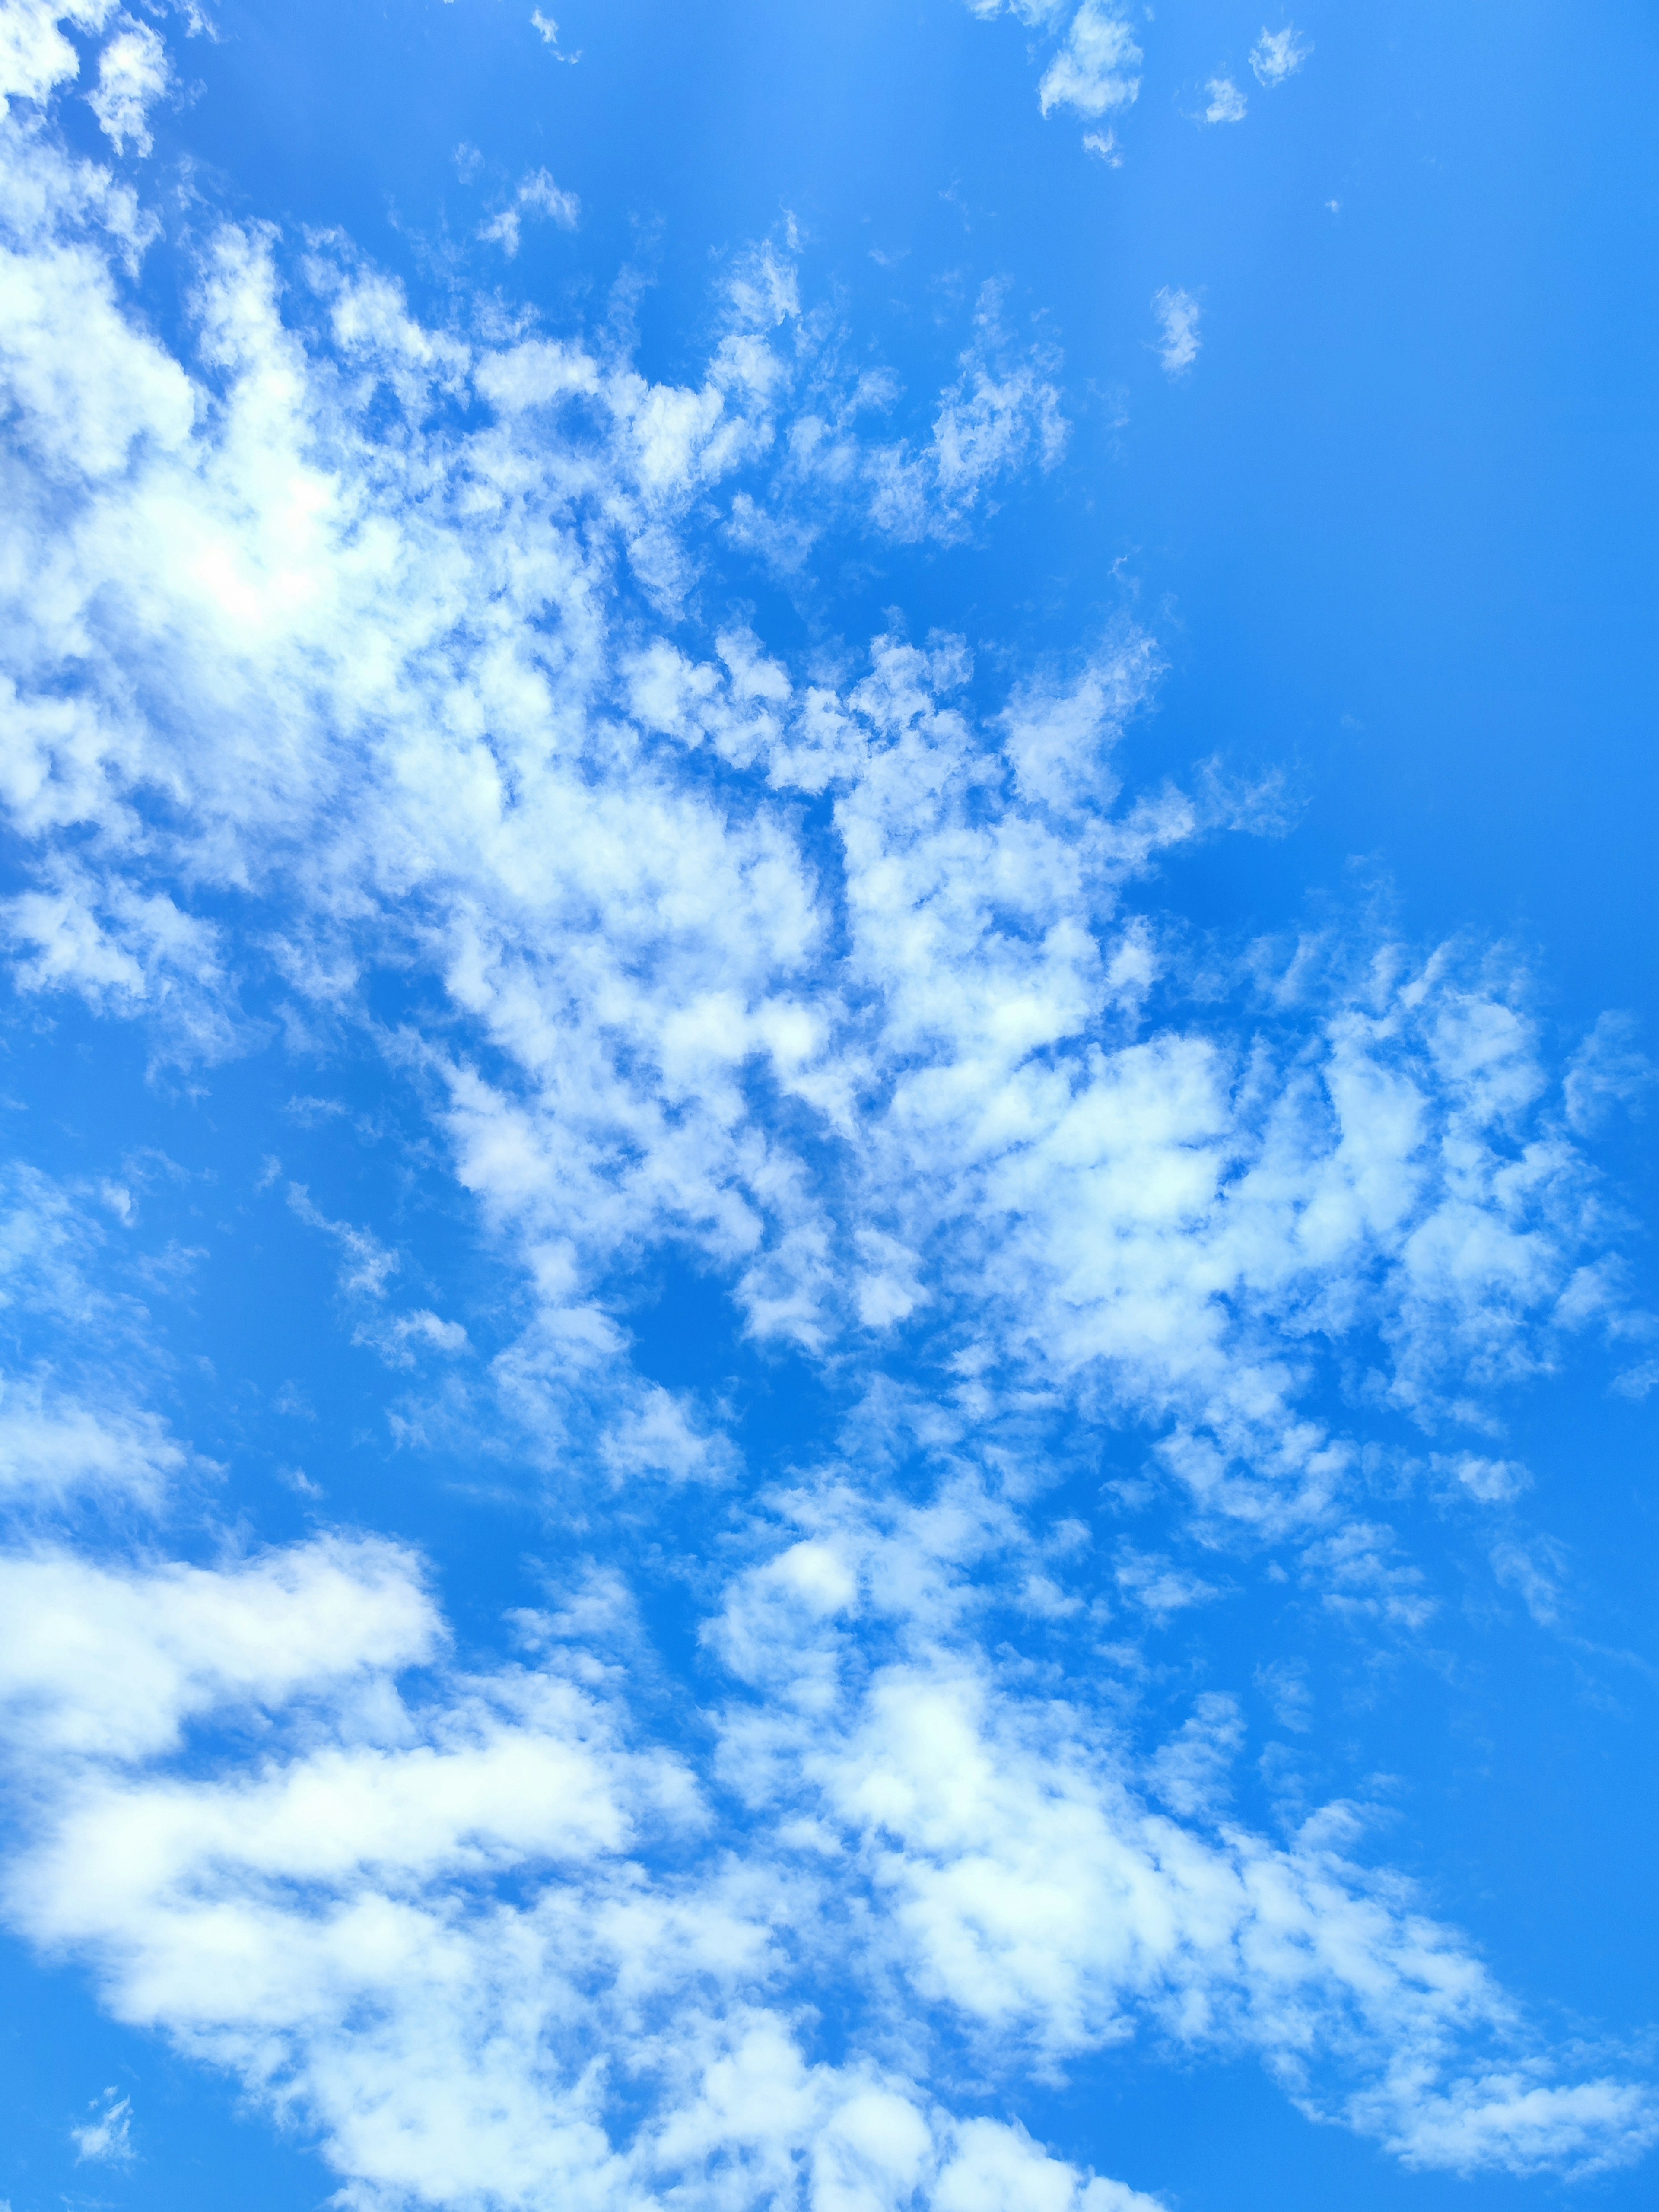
133,73
1225,103
34,55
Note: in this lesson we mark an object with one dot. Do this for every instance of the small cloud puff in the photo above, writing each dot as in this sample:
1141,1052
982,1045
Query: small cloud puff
107,2136
1227,103
1279,54
536,196
1493,1481
1177,313
133,72
1093,70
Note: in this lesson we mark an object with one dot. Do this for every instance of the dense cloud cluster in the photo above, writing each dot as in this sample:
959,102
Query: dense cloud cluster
336,645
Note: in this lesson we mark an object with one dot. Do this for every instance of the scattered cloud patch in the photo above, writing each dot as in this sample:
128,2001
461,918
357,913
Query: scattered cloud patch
537,197
1177,314
106,2137
1225,103
1279,54
1094,70
133,74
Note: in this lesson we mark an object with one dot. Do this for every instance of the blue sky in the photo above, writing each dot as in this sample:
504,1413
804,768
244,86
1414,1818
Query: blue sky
829,1325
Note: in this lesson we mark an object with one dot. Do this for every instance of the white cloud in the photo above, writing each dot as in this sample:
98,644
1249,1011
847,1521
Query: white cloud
133,73
308,1922
1225,103
1177,313
1017,1875
77,1358
538,194
626,1006
99,1662
53,1447
1153,1582
128,952
1493,1481
107,2136
1637,1382
1035,13
1094,70
366,1264
1521,2124
421,1913
34,55
1277,55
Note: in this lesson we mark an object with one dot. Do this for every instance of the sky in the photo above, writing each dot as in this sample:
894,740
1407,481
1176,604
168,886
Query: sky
828,1330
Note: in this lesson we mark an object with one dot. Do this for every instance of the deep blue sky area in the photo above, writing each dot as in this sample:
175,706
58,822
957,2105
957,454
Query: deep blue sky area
1391,535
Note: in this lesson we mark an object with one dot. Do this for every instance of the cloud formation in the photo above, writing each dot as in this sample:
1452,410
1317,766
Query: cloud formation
1178,314
1279,54
538,194
380,647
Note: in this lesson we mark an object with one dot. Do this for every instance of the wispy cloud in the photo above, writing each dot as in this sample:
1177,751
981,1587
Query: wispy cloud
106,2137
1177,313
133,74
538,197
1279,54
